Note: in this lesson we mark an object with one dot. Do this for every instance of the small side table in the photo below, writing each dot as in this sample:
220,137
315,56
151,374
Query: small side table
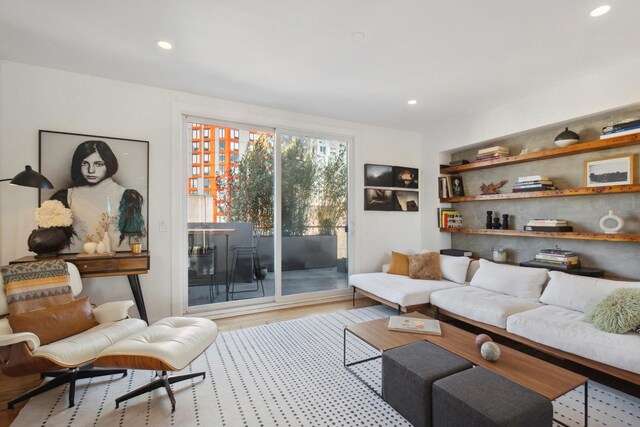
121,264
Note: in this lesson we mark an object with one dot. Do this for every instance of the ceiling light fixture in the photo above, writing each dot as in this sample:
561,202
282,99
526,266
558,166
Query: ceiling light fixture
412,101
599,11
356,36
165,45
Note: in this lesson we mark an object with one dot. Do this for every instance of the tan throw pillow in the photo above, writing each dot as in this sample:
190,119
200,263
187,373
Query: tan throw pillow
56,322
425,266
399,264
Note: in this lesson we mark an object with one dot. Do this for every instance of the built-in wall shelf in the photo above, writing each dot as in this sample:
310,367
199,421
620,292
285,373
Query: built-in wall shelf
584,191
548,235
582,147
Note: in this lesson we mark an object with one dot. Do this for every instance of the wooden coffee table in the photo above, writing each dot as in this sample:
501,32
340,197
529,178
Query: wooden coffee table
544,378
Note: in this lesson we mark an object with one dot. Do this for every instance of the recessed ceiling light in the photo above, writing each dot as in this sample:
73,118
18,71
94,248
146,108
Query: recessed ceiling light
412,101
599,11
165,45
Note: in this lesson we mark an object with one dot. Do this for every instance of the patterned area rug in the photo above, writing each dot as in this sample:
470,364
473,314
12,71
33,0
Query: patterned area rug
283,374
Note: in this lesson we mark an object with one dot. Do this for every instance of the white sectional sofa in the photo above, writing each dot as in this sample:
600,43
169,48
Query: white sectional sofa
542,309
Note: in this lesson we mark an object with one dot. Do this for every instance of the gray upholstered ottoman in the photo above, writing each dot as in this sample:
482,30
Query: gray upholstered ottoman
479,397
408,373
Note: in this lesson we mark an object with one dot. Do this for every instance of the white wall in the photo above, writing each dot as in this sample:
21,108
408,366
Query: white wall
33,98
608,89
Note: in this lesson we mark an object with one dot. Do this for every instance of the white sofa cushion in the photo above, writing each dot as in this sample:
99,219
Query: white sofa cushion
523,282
481,305
398,289
565,330
579,293
454,268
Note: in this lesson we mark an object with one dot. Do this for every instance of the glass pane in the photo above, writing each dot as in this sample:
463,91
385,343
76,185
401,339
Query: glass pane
314,214
228,216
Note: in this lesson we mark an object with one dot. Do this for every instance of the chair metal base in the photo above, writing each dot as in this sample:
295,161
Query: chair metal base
236,253
164,381
69,376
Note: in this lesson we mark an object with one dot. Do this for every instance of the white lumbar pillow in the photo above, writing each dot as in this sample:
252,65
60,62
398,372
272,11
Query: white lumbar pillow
523,282
454,268
579,293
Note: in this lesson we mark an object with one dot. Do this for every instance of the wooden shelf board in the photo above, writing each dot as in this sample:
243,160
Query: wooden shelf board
584,191
579,148
548,235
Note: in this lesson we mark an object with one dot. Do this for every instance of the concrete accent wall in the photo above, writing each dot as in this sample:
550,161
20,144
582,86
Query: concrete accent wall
582,212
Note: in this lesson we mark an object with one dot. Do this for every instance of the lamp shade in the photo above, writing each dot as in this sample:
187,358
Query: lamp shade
30,178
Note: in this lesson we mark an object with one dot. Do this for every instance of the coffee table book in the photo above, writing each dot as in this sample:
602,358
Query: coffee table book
414,325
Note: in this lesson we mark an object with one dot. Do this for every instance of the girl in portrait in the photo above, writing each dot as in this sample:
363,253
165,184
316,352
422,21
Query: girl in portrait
99,204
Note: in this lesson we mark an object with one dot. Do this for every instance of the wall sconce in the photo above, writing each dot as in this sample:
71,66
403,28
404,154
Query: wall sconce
30,178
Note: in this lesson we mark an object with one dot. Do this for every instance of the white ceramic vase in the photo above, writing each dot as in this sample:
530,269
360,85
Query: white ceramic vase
107,242
611,217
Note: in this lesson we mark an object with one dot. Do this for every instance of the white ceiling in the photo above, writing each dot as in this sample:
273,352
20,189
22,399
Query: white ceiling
456,57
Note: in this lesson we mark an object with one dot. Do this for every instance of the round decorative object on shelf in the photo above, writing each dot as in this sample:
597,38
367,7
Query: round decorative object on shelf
481,339
490,351
47,242
566,138
90,247
619,223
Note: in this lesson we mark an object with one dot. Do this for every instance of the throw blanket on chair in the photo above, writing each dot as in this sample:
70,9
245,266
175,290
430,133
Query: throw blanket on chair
34,285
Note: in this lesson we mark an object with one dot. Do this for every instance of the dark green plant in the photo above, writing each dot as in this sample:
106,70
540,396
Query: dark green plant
332,186
298,179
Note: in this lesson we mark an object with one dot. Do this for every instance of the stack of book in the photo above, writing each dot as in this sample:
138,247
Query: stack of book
557,225
492,153
556,258
533,183
623,127
449,218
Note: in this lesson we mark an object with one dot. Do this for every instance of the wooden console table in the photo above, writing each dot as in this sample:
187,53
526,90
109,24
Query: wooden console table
121,264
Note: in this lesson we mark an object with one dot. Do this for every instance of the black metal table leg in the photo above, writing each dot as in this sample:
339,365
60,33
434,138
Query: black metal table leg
136,289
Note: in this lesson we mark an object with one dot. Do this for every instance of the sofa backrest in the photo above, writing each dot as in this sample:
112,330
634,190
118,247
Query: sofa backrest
521,282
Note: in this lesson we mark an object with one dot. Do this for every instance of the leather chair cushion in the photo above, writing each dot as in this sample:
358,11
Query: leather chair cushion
56,322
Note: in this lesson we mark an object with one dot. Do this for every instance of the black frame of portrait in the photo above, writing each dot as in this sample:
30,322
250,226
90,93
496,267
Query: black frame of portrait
56,151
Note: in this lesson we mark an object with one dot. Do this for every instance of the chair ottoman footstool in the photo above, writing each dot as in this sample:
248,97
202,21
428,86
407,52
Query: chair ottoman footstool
170,344
478,397
408,373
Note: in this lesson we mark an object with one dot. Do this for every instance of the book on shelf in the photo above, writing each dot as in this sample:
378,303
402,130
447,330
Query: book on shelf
557,251
521,186
622,125
547,222
455,252
458,162
558,257
535,182
493,149
414,325
572,261
542,188
556,229
533,178
621,133
548,264
441,213
620,129
491,156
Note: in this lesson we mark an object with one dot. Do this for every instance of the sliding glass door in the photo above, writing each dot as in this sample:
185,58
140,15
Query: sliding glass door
244,244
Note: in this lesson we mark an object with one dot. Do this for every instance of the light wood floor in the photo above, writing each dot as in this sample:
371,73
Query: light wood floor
239,322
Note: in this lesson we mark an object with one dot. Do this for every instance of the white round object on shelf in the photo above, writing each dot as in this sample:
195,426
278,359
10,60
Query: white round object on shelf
611,217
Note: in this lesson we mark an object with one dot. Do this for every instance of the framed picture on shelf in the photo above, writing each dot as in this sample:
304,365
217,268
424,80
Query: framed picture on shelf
378,175
378,199
405,177
406,201
105,182
457,188
610,171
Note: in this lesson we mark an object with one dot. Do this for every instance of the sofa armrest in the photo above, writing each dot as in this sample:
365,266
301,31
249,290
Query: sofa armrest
30,339
112,311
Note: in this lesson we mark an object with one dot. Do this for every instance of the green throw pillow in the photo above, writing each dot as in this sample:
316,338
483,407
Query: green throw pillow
618,313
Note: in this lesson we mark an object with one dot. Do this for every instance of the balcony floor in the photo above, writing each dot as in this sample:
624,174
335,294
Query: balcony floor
293,282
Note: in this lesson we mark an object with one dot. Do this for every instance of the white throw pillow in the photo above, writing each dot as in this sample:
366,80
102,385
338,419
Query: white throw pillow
579,293
454,268
523,282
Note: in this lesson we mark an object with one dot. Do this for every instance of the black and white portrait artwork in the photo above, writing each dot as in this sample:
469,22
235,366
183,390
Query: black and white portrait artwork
378,199
104,181
378,175
611,171
407,201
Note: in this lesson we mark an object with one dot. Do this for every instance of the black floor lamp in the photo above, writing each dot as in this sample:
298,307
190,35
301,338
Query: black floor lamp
30,178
